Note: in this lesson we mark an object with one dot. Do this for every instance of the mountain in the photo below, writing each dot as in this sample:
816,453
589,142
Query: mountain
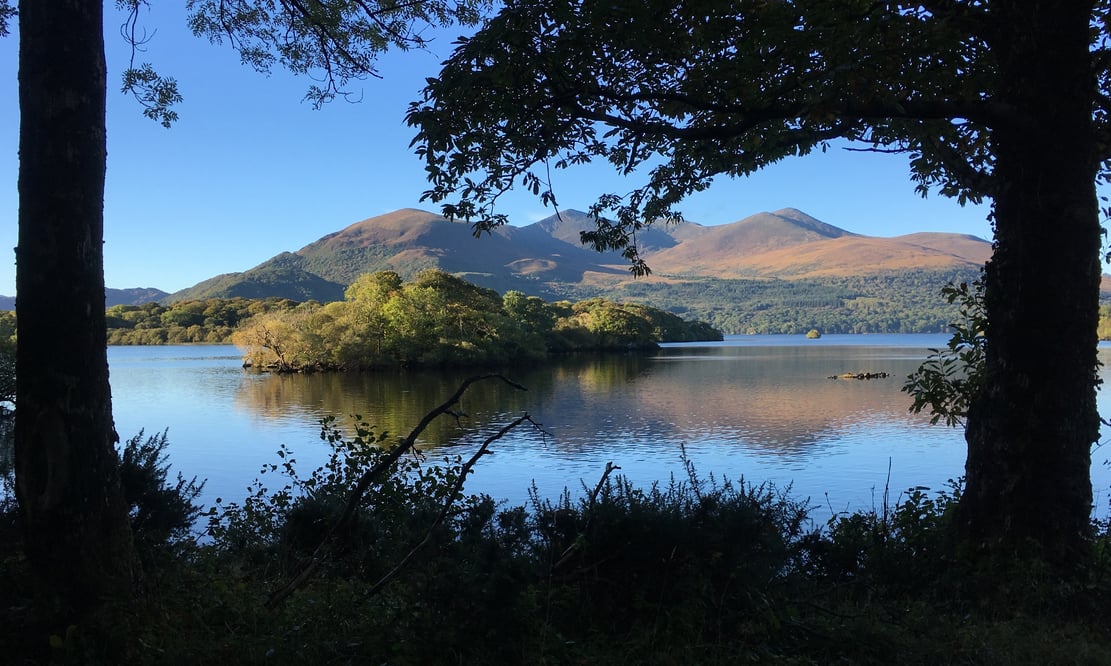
408,241
568,226
135,296
790,244
771,272
546,258
283,276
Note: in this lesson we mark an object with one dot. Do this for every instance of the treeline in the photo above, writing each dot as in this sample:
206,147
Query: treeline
211,320
893,303
898,302
440,319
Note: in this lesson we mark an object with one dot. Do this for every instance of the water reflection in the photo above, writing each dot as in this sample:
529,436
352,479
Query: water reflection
778,401
765,411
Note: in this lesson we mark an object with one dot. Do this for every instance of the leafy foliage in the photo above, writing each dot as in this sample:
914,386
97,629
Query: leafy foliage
691,92
7,12
336,41
440,319
162,512
951,378
882,544
292,520
211,320
691,570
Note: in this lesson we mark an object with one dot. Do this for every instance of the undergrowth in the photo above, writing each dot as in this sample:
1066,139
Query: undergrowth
688,571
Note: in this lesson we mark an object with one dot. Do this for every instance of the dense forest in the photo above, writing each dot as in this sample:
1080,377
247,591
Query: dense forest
438,319
893,303
211,320
896,302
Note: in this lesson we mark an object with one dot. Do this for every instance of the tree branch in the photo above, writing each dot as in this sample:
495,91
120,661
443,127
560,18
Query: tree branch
370,475
452,496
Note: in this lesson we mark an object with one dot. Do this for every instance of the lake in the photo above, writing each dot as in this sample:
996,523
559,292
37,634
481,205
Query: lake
761,407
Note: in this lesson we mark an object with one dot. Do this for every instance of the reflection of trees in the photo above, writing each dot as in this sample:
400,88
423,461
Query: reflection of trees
777,399
771,399
392,401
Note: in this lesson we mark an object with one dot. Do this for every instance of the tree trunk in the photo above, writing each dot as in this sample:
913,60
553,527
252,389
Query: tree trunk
74,517
1029,435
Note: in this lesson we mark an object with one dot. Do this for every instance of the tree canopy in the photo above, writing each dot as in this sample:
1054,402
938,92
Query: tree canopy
700,89
1004,100
440,319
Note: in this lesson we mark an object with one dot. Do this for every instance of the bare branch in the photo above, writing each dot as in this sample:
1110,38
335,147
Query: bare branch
372,474
566,555
456,489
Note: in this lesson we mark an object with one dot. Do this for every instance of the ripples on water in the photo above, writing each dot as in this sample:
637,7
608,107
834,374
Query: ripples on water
761,407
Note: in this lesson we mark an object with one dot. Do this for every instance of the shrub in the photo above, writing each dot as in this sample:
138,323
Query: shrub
162,512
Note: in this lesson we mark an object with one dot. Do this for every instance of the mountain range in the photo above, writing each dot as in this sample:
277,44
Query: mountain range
777,272
135,296
546,258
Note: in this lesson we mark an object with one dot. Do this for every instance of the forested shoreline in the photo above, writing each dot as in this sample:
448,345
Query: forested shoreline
440,319
731,306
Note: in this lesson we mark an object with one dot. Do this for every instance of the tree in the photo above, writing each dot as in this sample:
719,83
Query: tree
1004,100
67,480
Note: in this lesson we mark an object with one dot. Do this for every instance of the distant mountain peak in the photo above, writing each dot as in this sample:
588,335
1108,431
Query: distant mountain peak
547,256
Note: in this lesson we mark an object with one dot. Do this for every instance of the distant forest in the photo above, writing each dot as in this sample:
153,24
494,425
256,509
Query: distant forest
892,303
435,318
897,302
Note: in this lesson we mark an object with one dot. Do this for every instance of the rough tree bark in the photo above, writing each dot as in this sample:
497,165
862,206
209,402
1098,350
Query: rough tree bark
1029,435
67,480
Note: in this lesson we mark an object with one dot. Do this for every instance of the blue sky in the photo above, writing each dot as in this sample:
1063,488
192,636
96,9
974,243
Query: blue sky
250,171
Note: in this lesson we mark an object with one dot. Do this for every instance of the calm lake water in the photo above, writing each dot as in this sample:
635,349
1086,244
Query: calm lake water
761,407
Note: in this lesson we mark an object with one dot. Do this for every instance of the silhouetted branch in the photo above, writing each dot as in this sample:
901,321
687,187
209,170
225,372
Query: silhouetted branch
566,555
373,473
157,94
455,491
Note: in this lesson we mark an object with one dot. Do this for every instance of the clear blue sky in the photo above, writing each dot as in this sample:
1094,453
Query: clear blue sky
250,171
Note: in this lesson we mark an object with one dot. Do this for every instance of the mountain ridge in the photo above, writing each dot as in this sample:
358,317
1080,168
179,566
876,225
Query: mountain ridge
545,257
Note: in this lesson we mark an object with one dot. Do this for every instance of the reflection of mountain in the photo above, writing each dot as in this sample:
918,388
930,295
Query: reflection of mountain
773,399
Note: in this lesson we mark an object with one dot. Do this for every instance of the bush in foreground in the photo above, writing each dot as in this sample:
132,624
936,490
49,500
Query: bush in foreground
691,570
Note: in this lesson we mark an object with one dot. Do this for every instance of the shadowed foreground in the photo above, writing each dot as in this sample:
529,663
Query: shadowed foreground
348,566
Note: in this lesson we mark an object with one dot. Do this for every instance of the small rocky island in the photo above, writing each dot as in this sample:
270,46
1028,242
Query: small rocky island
861,375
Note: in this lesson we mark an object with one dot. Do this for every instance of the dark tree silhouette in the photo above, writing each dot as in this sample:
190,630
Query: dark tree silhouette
1004,100
67,479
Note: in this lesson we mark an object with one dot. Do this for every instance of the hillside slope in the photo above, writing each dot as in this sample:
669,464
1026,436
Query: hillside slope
837,278
545,257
